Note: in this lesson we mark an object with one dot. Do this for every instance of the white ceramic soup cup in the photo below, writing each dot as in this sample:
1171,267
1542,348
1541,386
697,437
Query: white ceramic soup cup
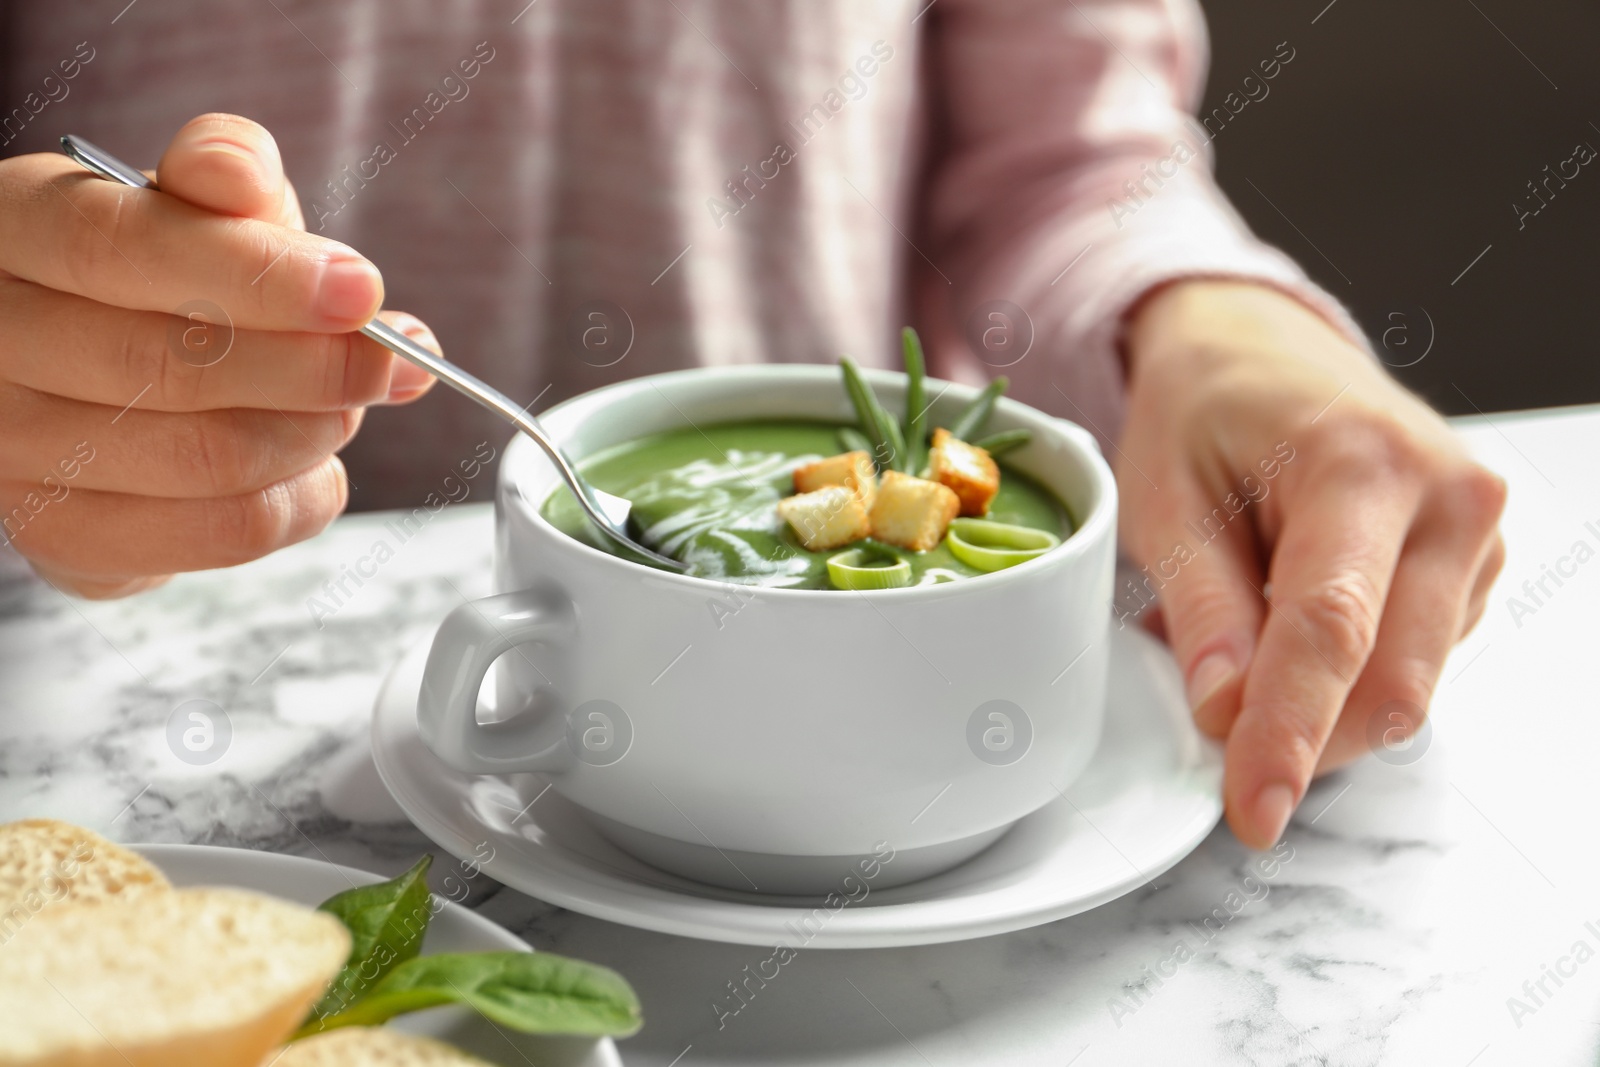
780,740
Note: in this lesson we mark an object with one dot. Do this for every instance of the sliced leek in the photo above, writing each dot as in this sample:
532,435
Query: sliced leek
993,546
868,568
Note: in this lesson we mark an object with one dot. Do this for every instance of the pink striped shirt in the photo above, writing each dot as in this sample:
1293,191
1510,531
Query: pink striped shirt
577,191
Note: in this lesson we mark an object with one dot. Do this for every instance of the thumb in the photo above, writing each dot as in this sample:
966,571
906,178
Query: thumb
230,165
1212,612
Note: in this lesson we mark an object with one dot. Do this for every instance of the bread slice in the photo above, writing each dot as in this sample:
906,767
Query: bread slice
912,512
360,1046
831,517
969,471
853,470
45,862
186,978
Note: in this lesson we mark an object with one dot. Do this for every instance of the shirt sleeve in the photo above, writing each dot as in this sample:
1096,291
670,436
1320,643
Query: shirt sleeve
1069,178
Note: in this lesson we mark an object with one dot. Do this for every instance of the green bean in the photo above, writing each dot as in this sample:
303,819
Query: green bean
971,420
897,443
916,424
888,447
998,444
853,440
860,398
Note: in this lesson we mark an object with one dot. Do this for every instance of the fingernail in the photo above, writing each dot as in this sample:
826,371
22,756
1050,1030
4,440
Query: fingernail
1209,675
1274,805
406,379
248,154
349,289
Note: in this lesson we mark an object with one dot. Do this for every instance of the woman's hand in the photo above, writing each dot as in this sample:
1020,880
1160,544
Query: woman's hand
1318,538
135,439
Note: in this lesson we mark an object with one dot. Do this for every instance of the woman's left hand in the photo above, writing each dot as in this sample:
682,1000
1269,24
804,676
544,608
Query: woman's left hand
1318,537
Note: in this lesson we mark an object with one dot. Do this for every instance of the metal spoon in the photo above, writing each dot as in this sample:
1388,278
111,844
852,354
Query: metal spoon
608,513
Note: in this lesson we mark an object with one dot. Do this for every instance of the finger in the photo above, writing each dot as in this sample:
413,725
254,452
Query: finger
1209,579
102,540
1420,623
1422,620
147,250
1330,573
408,381
1155,624
1493,564
93,590
158,453
231,166
74,347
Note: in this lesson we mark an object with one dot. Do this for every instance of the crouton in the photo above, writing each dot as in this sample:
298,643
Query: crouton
853,470
912,512
832,516
966,469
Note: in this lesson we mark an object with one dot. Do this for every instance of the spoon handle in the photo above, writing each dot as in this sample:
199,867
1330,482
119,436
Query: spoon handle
103,163
470,385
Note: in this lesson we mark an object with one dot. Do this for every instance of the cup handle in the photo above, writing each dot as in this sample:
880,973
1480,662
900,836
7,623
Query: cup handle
469,640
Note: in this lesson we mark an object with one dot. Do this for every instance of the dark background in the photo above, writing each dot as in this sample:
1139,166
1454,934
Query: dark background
1397,141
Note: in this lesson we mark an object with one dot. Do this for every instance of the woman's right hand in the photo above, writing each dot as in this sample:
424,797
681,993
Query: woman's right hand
136,440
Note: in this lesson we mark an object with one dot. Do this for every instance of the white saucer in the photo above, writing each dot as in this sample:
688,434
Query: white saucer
1151,794
452,929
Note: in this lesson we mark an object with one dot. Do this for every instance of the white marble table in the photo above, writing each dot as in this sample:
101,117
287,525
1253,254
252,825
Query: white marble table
1420,897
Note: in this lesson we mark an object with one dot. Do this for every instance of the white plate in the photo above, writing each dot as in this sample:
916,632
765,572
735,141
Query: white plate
453,929
1151,794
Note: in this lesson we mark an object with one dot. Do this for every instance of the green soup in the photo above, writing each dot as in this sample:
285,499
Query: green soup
708,497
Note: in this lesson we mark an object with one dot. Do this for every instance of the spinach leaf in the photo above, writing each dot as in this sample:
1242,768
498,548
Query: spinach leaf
387,922
536,993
